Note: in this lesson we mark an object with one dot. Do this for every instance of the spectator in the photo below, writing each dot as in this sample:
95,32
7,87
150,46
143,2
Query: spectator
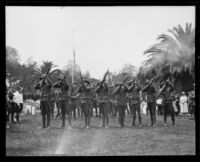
183,104
18,98
177,98
144,107
159,104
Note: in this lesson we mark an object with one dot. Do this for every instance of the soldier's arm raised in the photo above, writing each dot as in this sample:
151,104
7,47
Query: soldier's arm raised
49,81
145,88
97,89
116,91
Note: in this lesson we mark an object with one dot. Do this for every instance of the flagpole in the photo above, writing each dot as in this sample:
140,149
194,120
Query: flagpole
73,62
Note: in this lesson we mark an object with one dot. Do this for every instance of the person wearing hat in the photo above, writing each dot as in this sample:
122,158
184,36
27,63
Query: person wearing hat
18,98
168,108
63,99
103,96
159,104
151,100
120,93
134,89
72,100
86,102
94,100
12,107
45,87
183,104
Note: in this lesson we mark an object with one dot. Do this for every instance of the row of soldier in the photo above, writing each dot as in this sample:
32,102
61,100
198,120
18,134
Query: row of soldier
104,95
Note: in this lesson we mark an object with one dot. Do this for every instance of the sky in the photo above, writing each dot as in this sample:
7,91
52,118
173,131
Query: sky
103,37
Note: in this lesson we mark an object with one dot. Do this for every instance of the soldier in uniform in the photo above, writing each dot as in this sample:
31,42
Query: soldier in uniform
63,99
52,103
134,89
120,93
72,100
86,102
94,103
168,108
103,94
45,87
151,100
113,110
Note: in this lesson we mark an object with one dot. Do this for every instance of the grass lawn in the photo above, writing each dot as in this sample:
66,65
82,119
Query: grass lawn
26,139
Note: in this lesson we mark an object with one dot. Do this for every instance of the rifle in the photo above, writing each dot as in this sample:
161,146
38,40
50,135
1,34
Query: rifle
124,81
151,81
43,77
132,81
57,84
81,79
171,76
104,78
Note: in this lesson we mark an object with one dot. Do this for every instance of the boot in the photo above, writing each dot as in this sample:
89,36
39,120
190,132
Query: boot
48,121
88,122
17,118
43,121
85,123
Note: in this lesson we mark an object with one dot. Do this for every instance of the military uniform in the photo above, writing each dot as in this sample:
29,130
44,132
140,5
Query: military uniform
62,100
95,104
45,106
168,105
103,96
86,103
72,101
134,102
120,93
113,110
151,102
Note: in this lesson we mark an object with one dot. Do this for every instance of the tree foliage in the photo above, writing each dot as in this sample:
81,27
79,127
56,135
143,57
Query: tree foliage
173,54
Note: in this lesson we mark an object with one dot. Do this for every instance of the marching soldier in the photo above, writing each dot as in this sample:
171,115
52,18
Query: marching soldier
86,103
151,100
134,89
63,99
166,91
120,93
45,87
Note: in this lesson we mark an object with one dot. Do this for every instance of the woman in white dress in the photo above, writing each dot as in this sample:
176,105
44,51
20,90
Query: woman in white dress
183,104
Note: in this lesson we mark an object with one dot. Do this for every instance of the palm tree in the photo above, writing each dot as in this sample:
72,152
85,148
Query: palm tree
174,54
47,68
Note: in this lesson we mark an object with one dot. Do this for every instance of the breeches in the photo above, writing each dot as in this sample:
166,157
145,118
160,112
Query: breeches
121,111
135,108
45,108
104,109
87,108
152,110
169,109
